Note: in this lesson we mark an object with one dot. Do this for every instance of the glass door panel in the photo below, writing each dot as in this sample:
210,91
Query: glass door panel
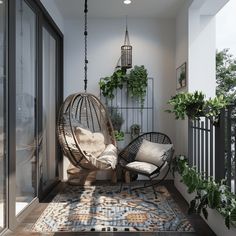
48,162
26,122
2,115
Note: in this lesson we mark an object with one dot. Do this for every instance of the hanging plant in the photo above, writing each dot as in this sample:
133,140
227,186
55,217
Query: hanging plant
109,84
137,83
194,105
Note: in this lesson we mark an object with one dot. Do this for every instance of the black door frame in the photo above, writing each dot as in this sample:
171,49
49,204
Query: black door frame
59,99
43,18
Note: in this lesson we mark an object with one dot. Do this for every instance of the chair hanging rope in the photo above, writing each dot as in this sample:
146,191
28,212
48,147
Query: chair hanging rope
85,45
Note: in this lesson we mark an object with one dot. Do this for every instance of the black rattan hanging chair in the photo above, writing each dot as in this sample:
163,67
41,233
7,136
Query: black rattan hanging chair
84,111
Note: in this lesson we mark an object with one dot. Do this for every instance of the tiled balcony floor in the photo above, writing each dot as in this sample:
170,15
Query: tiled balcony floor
200,227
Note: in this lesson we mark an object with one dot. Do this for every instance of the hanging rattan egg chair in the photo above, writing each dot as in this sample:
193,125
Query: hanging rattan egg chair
84,112
84,129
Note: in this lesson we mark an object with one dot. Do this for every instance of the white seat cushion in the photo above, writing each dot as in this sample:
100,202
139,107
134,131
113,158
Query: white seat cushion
152,152
92,143
142,167
70,142
109,156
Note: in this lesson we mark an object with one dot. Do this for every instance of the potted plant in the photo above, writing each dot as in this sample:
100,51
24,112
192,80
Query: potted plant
194,106
187,104
119,135
116,118
135,131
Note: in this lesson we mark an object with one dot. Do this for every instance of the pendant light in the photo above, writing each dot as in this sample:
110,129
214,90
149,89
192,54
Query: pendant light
126,51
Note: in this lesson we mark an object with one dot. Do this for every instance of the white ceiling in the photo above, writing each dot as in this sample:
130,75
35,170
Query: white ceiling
116,8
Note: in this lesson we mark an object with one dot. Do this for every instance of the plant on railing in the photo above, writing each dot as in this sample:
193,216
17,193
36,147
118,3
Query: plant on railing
136,82
213,107
194,105
208,192
187,104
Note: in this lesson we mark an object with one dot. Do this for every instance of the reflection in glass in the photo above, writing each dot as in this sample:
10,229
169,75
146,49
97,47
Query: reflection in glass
2,115
25,105
47,152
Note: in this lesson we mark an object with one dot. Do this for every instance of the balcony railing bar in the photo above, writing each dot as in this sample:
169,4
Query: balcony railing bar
212,149
206,148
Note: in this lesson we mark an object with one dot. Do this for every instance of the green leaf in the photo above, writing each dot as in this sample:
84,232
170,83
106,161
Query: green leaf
233,215
214,198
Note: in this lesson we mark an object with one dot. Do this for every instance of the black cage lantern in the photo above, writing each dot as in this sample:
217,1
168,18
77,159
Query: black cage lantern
126,52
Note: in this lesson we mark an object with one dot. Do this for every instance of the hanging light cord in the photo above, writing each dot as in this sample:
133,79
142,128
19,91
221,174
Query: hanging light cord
127,42
85,44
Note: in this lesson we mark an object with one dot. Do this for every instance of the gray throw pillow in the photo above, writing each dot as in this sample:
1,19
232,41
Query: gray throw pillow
152,152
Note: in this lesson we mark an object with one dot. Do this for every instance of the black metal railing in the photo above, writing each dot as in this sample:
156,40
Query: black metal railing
202,146
212,147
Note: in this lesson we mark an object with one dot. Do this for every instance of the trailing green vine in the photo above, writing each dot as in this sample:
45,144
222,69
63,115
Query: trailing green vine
136,82
110,83
194,105
209,194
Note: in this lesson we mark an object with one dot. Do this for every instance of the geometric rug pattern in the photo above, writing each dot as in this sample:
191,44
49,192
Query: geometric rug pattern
105,208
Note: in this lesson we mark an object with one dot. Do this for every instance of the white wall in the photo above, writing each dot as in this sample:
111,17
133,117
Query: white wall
181,145
153,42
195,44
202,49
200,55
54,13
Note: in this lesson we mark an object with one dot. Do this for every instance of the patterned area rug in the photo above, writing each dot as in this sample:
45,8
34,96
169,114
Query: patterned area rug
104,208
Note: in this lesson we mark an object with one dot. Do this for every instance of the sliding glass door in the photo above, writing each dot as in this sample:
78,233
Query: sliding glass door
48,167
31,92
3,125
26,122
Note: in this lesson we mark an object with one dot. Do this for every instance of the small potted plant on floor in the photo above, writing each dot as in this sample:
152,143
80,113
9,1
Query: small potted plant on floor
116,118
135,131
117,121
